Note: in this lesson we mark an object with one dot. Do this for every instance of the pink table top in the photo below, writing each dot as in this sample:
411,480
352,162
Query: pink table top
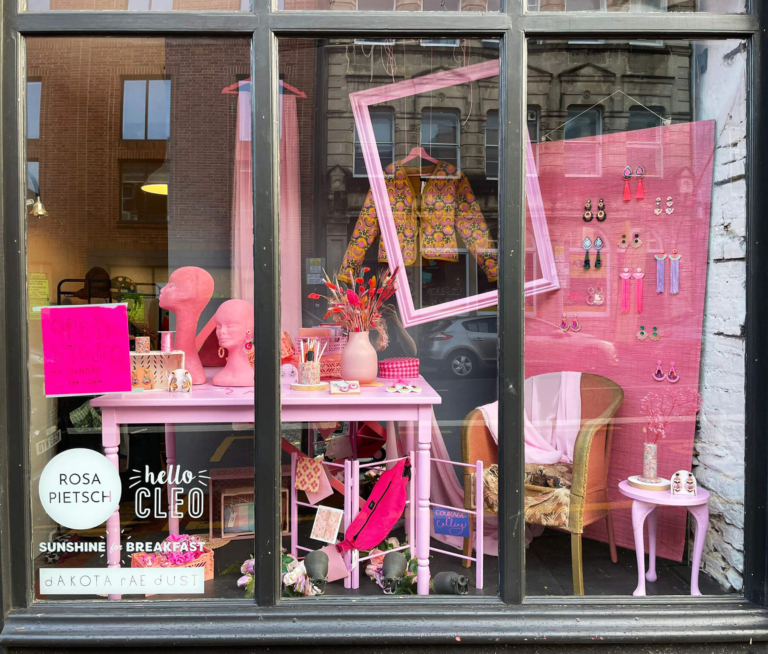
663,498
207,395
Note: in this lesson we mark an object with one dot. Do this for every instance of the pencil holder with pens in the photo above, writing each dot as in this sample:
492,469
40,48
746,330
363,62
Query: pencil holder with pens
309,372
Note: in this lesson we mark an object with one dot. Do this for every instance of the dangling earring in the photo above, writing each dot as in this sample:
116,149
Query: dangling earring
642,334
655,336
623,243
564,323
575,326
627,175
640,193
672,376
637,242
222,352
588,212
659,375
586,244
248,345
601,216
134,378
670,209
661,271
658,210
598,247
674,272
625,290
639,290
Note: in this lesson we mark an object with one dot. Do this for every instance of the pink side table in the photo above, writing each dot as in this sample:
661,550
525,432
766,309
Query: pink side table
644,504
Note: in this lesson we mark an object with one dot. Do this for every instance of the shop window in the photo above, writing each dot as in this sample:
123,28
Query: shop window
146,109
150,5
614,327
383,121
34,93
33,178
441,136
136,205
648,5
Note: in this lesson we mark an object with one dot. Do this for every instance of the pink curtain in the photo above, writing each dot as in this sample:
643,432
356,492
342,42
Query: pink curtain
290,210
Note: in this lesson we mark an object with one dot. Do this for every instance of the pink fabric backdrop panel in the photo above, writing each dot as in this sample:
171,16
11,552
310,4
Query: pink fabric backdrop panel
678,162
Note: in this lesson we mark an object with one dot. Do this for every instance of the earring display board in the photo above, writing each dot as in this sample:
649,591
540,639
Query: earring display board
678,170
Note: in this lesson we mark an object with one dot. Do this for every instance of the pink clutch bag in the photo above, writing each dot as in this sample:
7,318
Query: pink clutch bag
399,367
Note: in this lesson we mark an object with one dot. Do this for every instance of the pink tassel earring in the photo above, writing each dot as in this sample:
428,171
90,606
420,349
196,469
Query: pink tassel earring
640,193
627,175
625,290
639,290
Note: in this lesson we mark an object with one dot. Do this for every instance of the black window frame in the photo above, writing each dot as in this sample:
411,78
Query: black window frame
511,618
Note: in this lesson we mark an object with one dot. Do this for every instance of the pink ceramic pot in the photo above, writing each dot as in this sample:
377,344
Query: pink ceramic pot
358,359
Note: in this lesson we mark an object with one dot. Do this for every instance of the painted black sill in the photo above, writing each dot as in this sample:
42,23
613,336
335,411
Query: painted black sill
212,623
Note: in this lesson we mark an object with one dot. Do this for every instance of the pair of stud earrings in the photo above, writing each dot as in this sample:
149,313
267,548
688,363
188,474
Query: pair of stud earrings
573,325
635,243
643,335
627,175
672,377
600,215
670,207
595,296
587,244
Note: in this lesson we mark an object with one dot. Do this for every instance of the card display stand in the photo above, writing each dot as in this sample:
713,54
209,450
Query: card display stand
160,365
231,498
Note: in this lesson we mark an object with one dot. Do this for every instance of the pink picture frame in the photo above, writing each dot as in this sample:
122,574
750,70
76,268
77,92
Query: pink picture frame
361,102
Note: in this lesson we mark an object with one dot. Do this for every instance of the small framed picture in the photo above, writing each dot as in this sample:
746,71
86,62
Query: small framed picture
327,524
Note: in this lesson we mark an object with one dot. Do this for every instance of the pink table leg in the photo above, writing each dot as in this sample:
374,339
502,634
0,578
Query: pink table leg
170,460
295,509
701,514
652,516
423,517
391,445
640,511
110,439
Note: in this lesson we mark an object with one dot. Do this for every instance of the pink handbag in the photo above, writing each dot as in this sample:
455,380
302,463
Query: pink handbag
381,511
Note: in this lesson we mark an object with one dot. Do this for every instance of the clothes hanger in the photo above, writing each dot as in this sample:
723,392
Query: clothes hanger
417,152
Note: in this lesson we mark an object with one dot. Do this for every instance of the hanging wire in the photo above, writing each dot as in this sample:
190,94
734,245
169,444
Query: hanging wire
664,121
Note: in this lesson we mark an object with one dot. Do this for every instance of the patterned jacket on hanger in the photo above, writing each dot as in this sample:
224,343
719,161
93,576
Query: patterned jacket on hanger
446,206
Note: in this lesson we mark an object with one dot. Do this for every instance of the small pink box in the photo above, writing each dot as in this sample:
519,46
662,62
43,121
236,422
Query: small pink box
142,344
397,367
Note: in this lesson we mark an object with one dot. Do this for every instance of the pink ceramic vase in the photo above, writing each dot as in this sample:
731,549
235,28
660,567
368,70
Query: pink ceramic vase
358,359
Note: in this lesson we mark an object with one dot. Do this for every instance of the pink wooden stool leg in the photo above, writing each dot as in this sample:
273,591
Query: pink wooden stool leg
170,460
701,514
348,499
110,439
640,511
294,507
652,516
410,523
422,484
391,446
355,502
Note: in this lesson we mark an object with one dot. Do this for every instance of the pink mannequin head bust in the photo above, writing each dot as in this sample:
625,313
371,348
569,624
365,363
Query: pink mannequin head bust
234,328
187,293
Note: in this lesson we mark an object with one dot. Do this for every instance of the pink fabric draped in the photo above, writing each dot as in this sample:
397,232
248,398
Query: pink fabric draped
552,422
290,211
552,417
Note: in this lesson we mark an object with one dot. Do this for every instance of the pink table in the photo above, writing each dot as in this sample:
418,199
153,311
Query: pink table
208,404
644,505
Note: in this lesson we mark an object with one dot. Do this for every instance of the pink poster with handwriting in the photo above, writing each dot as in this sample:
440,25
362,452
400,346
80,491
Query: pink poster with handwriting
86,350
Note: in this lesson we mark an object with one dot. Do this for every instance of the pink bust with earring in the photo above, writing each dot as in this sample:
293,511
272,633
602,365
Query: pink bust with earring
234,329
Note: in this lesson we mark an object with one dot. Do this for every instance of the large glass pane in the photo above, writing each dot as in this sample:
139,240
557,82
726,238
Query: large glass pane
136,207
716,6
391,5
388,162
634,362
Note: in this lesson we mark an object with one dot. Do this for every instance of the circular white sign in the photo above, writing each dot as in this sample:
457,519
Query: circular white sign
80,489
